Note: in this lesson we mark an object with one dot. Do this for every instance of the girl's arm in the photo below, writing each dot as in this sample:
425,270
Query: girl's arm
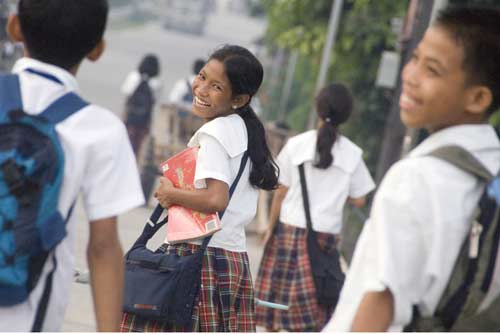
213,198
279,195
358,202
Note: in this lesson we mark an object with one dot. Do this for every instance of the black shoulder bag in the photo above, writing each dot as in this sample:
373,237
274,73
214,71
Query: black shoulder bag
326,271
164,286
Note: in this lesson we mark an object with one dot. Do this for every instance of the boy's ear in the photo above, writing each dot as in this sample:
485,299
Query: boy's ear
13,29
478,99
96,53
240,100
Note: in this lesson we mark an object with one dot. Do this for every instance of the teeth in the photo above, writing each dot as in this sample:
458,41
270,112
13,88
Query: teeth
405,99
201,102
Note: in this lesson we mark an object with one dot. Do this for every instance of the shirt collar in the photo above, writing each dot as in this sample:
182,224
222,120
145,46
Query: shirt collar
307,149
472,137
68,79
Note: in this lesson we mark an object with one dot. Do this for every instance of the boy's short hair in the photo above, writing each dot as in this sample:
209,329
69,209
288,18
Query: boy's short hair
62,32
478,31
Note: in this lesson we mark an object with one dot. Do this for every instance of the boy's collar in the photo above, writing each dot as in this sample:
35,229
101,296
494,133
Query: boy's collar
67,79
471,137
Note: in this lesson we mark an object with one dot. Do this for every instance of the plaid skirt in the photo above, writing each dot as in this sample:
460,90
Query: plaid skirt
285,277
225,302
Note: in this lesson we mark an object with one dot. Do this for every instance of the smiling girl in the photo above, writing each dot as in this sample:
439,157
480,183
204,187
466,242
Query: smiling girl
222,94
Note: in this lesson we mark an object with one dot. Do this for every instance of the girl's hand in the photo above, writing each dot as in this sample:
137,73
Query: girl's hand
164,193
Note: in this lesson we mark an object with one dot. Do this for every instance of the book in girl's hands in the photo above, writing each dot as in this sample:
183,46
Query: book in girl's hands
186,224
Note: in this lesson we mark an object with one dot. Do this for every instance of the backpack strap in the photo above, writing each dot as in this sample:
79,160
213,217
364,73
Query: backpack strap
10,93
462,159
63,107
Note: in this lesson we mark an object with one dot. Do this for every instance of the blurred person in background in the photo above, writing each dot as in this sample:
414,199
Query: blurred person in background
141,88
182,93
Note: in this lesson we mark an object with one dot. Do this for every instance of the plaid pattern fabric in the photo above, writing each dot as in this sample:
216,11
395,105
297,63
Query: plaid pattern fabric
285,277
225,302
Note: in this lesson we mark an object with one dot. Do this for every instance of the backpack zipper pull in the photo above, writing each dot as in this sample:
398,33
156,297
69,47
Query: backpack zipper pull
475,234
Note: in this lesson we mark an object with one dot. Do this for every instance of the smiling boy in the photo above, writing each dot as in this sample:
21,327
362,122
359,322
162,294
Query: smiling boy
421,212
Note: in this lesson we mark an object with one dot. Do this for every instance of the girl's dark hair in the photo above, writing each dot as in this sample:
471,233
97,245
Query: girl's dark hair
245,75
334,106
150,66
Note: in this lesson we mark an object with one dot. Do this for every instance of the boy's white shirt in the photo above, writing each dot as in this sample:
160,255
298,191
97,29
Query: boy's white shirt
328,189
222,143
180,89
99,165
418,222
133,80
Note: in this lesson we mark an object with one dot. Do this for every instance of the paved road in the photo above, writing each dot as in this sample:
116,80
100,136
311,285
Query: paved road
100,83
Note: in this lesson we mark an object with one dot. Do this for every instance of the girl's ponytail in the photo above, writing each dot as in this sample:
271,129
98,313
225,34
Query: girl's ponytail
264,173
327,135
334,107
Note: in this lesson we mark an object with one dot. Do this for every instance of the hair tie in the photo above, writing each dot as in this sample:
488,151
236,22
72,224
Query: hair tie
328,120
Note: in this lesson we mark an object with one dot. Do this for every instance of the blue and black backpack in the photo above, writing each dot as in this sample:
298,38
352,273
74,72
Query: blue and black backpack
31,174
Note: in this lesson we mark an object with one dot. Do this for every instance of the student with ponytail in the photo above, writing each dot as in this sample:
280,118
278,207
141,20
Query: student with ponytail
222,93
335,174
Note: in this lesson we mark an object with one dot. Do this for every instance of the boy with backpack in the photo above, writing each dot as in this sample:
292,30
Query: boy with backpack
181,93
55,145
428,256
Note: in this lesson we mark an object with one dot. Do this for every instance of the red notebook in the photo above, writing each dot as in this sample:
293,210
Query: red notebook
186,224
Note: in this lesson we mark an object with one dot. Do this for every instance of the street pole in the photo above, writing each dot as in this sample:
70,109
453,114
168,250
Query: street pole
333,24
411,135
287,87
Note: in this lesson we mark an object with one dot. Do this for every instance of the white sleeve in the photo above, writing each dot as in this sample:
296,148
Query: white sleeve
361,181
178,91
393,250
285,164
213,162
111,183
130,84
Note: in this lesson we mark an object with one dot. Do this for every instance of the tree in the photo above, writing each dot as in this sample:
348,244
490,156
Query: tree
364,32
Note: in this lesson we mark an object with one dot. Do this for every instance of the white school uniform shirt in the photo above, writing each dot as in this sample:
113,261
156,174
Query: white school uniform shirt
222,142
419,219
180,89
99,165
133,80
328,189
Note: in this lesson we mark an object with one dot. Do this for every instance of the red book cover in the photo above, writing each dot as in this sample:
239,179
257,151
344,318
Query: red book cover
186,224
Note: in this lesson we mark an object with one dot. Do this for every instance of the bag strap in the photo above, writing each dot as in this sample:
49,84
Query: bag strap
305,197
63,107
57,111
10,93
231,191
462,159
152,224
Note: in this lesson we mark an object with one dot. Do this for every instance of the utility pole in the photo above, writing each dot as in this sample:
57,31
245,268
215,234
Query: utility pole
287,87
333,24
416,22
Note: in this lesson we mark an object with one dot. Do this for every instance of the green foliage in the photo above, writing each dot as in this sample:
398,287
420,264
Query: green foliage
364,32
